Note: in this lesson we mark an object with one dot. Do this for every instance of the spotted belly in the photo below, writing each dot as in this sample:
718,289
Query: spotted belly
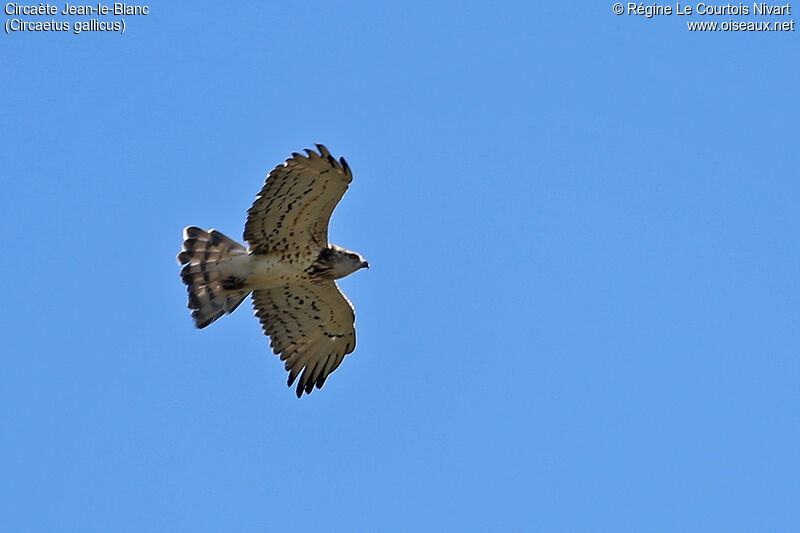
264,271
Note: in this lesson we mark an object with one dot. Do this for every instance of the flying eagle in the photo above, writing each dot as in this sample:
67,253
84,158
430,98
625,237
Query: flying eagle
289,267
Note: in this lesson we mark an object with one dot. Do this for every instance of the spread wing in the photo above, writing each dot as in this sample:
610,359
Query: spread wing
292,211
311,327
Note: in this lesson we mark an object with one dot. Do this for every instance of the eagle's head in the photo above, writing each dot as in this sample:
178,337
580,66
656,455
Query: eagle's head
335,262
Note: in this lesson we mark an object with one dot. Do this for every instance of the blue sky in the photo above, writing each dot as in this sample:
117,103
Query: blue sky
582,311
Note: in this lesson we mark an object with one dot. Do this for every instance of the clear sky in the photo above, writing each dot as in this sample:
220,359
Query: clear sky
581,315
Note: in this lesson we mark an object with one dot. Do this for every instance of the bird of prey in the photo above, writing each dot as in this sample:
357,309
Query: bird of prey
289,267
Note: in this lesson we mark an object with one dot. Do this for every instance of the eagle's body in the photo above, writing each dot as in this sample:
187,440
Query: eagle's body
265,271
289,267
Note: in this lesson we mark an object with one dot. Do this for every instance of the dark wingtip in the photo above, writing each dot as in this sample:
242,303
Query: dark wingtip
345,166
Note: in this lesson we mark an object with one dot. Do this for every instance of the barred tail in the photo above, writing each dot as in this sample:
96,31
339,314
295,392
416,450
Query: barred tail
212,291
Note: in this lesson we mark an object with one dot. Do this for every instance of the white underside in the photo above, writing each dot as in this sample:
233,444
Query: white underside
262,271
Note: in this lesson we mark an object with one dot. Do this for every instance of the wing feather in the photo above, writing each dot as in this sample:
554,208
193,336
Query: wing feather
293,209
311,327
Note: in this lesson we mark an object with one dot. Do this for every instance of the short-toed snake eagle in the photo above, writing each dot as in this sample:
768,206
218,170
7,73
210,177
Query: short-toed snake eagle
289,267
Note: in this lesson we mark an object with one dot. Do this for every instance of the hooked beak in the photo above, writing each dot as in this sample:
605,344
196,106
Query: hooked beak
364,264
